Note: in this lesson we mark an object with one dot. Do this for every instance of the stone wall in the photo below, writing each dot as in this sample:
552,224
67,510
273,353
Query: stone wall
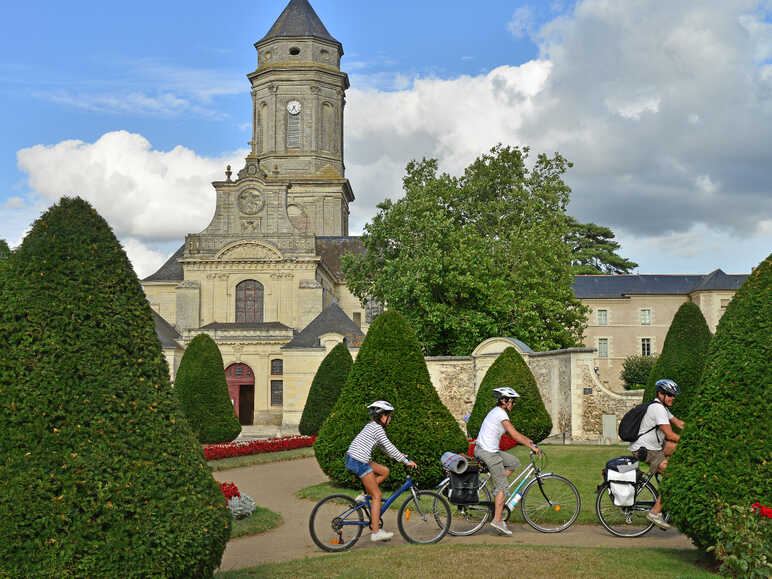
453,378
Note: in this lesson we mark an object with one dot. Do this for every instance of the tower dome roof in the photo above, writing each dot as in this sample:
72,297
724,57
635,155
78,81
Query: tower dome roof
297,21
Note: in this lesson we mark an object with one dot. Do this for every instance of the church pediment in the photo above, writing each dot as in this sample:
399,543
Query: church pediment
252,250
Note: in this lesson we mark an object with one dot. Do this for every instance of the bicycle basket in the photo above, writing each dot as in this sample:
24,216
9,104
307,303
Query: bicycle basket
463,487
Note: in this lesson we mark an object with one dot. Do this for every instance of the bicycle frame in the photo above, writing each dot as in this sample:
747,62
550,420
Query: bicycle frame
407,485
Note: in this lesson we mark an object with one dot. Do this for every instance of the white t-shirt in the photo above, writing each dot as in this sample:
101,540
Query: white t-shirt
491,430
654,439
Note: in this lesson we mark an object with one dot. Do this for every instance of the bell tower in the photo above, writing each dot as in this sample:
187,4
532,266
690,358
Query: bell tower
298,96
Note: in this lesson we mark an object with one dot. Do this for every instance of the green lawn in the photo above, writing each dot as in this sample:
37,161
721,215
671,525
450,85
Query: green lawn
259,521
262,458
581,465
444,559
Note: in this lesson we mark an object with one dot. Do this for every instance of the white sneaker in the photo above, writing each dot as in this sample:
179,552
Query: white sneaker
658,520
360,498
381,535
501,527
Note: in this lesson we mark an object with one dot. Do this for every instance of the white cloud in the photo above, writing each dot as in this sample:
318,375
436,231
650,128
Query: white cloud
144,259
143,193
14,203
522,22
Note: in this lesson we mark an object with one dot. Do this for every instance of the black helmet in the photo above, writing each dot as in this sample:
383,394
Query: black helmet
667,386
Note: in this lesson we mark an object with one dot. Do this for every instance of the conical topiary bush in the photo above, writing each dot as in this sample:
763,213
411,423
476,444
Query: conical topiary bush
529,416
101,474
683,356
202,390
724,453
325,389
390,366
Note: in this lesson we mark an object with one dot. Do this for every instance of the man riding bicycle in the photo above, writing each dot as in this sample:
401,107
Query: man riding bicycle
656,440
500,464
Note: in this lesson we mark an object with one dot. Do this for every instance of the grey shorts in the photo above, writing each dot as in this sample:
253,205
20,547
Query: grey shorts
654,458
498,463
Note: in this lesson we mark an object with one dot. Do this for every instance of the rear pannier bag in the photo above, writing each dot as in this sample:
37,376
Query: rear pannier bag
621,473
463,487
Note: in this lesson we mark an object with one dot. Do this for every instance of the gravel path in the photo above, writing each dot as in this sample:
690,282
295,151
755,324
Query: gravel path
273,486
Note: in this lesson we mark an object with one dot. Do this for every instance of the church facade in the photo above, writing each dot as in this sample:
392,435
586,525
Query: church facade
264,279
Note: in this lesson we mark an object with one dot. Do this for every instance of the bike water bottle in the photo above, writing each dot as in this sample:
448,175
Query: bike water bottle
514,500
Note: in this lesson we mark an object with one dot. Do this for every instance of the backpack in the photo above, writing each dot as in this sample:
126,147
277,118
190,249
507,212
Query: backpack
630,424
463,487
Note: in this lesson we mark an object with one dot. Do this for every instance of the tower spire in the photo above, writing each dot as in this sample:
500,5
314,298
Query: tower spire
299,20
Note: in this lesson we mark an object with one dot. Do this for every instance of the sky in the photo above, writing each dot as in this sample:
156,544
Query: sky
664,109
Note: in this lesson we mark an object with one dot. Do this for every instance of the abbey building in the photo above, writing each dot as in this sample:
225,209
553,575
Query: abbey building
264,278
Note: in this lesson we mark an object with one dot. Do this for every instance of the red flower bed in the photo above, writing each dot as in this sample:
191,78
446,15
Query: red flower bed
761,510
244,448
507,442
229,490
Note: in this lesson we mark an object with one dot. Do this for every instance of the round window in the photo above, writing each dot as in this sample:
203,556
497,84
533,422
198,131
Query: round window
294,51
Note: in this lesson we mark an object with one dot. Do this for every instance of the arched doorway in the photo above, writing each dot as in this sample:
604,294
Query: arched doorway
241,387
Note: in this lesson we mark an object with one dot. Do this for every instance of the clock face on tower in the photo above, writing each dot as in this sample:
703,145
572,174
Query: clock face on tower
293,107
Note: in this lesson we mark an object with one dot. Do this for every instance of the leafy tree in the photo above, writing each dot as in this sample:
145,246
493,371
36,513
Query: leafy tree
724,454
477,256
636,370
390,366
682,357
102,476
325,389
528,416
5,251
593,249
203,392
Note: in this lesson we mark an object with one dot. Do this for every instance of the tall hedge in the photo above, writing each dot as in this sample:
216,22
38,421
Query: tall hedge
528,416
725,452
390,366
683,356
325,389
203,392
101,474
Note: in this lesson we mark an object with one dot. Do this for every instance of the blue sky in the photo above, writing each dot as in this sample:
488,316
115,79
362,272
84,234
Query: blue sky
665,111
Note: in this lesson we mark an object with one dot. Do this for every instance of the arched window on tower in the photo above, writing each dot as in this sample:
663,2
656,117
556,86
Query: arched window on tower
249,302
293,131
328,127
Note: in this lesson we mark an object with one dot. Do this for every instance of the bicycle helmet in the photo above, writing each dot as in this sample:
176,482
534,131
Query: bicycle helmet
379,408
505,392
667,386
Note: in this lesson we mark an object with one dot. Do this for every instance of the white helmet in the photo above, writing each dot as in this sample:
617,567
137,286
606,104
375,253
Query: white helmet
505,392
378,408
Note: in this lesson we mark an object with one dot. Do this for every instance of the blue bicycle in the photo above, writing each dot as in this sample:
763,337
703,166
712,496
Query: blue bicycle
337,521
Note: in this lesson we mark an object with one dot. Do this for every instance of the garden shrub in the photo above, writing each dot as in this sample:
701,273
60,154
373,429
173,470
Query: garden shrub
390,366
528,416
682,357
636,370
202,391
325,389
724,452
744,541
101,474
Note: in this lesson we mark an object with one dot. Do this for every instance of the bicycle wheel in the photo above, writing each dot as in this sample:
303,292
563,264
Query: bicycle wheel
426,520
550,503
335,523
626,521
468,519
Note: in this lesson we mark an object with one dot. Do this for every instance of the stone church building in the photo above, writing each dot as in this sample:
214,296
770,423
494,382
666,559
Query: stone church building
264,278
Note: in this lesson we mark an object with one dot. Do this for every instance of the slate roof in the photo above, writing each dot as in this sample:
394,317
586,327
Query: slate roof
298,20
331,250
171,270
166,332
619,286
331,320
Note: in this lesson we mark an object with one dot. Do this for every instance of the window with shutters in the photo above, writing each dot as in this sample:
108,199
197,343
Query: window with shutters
277,393
277,367
602,347
645,346
249,302
293,131
603,317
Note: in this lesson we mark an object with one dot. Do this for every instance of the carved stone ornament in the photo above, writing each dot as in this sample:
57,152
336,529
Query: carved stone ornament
249,250
250,202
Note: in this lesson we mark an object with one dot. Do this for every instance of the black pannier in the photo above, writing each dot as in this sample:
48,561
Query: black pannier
463,487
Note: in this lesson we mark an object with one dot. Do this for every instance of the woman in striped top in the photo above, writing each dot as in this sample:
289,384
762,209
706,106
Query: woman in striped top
370,472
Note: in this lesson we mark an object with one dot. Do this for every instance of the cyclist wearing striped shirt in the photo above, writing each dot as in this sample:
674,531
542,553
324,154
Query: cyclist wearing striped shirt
370,472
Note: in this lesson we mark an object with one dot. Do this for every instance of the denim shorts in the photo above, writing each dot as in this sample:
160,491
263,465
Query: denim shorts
357,467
